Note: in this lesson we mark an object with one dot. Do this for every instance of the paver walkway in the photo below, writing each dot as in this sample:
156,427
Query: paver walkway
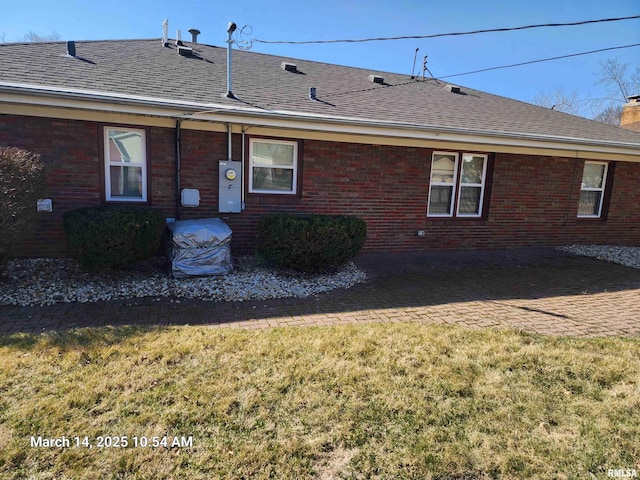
536,290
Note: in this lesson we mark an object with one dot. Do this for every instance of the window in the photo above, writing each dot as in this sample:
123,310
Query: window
594,179
444,168
445,188
273,165
125,165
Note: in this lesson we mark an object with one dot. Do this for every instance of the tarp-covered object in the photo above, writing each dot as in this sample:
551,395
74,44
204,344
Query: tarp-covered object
200,247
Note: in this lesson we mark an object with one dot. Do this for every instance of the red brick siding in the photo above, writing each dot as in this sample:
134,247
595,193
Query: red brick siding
69,150
532,200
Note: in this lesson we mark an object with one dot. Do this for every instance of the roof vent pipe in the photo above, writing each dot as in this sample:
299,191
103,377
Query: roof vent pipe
178,37
165,32
230,29
71,48
312,93
194,34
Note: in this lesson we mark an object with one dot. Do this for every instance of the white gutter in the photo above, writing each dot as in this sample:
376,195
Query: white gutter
142,105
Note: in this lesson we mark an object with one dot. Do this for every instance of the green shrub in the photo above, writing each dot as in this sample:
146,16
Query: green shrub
22,183
114,236
310,243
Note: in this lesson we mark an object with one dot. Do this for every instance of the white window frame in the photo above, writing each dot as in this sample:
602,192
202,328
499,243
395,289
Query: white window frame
108,164
593,189
444,184
481,185
294,168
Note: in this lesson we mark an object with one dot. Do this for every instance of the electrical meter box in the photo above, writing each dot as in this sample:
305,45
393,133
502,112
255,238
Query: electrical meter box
229,186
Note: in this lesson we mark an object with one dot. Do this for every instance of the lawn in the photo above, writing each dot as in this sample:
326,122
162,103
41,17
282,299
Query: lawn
369,401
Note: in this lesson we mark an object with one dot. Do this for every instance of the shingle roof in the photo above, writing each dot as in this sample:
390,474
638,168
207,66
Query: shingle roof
146,68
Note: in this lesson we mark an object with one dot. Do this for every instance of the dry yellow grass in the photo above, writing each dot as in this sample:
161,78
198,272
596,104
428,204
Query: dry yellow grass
370,401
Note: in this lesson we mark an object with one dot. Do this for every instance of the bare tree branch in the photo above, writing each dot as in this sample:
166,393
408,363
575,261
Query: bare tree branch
34,37
620,84
613,75
560,100
610,115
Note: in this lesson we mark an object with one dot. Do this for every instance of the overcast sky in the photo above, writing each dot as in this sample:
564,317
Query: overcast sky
353,19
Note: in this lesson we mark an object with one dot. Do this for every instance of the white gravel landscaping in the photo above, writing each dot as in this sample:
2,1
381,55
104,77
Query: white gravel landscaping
46,281
628,256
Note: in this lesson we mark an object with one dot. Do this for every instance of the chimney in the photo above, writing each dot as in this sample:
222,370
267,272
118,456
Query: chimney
194,34
630,118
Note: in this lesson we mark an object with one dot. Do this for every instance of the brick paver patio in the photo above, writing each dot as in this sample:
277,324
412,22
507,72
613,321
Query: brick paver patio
535,290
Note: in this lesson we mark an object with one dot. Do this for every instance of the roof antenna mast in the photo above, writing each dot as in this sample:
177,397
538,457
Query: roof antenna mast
415,56
425,68
230,29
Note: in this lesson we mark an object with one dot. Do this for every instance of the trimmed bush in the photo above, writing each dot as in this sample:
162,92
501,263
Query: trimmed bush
113,237
22,182
310,243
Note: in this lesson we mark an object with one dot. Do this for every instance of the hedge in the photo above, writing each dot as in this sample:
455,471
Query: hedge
22,182
310,243
113,237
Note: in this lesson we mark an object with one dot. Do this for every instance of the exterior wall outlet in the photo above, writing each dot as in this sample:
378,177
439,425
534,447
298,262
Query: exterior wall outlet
44,205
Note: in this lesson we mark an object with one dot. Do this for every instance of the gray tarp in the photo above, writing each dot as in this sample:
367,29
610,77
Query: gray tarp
200,247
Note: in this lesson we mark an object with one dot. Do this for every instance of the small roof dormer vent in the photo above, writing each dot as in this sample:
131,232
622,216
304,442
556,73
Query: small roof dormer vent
184,51
376,79
289,67
454,89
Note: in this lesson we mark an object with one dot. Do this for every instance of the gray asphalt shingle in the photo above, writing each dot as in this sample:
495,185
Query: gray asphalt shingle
146,68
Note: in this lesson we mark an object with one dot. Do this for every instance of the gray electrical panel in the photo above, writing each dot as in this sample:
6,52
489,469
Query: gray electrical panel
230,187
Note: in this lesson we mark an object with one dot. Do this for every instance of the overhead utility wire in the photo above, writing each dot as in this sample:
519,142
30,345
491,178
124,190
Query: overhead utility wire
411,37
331,95
542,60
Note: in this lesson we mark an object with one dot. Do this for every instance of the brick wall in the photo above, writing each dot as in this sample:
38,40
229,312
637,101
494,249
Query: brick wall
69,150
532,200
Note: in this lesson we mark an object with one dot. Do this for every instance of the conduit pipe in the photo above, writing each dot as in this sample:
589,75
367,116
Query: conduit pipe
229,142
178,162
242,190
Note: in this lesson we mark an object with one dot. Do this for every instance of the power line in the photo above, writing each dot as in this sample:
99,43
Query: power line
413,37
331,95
541,60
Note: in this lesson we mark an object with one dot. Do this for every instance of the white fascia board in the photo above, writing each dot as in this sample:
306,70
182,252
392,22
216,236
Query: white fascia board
141,105
380,129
